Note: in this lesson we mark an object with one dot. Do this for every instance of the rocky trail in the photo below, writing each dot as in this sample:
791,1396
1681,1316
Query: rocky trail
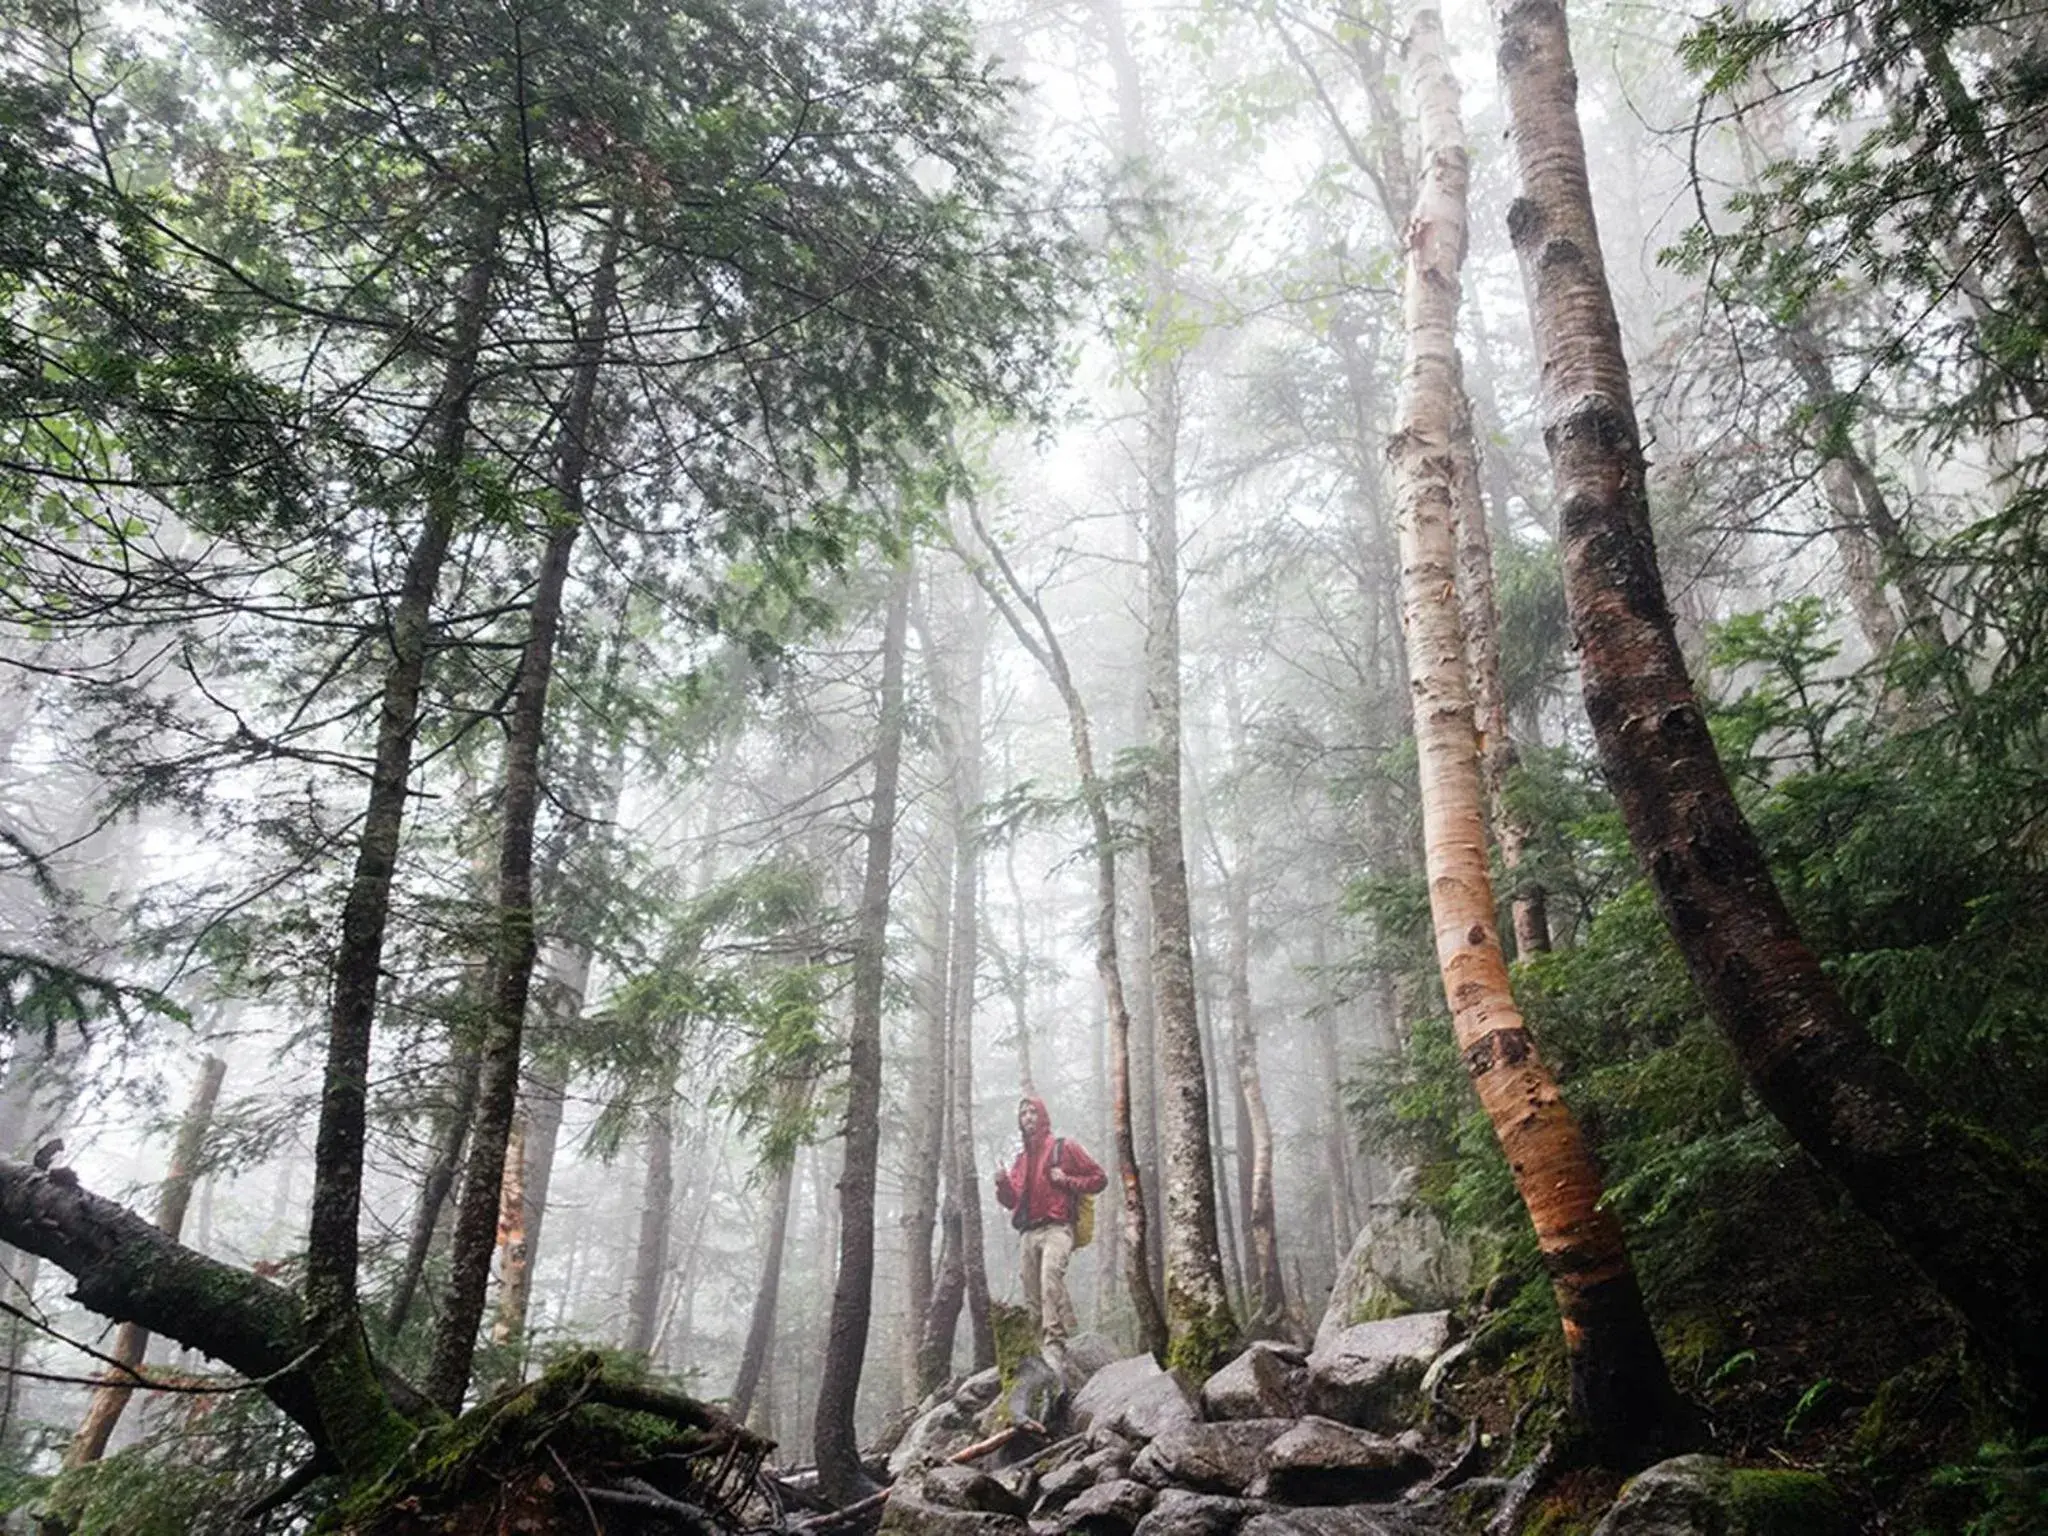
1347,1439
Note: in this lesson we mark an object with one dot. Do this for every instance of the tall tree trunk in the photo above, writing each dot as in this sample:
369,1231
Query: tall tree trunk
925,1132
1337,1160
1201,1331
131,1343
1964,1206
1222,1150
1042,641
450,1133
1266,1281
560,1002
1871,541
2015,345
1619,1384
332,1238
963,971
761,1324
650,1256
517,939
838,1453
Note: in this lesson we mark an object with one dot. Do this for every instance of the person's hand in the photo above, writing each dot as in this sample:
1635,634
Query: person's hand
1056,1177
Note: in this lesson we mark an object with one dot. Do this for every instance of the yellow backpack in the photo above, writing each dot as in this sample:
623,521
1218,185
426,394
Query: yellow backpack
1084,1205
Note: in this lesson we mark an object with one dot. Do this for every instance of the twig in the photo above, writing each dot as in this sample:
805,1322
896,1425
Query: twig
596,1525
130,1379
646,1497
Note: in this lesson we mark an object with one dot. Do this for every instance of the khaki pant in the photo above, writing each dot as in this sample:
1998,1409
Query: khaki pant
1046,1251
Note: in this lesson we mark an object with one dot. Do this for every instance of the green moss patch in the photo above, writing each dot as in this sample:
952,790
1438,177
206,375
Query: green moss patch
1768,1502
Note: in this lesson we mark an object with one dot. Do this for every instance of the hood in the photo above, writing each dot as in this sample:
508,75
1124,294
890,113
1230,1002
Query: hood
1044,1117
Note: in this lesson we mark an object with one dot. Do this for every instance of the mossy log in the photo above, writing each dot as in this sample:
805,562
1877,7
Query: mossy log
558,1452
538,1458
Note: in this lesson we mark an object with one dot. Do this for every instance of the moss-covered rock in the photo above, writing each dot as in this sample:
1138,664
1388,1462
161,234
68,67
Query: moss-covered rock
1705,1496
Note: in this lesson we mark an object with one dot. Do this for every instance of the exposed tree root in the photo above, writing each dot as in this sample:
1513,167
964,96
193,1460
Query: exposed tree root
1522,1491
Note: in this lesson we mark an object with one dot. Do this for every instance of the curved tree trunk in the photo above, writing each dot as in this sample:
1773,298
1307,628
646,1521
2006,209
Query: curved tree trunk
1619,1384
761,1324
517,939
838,1452
1964,1206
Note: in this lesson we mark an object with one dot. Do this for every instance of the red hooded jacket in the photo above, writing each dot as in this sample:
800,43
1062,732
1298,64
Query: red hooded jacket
1025,1188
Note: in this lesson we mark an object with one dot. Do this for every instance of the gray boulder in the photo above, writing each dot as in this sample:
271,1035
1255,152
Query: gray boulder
1113,1508
1704,1496
979,1390
1085,1354
1344,1520
1180,1512
1322,1462
1210,1458
935,1435
1368,1374
1064,1481
1136,1399
968,1488
1267,1381
909,1513
1401,1261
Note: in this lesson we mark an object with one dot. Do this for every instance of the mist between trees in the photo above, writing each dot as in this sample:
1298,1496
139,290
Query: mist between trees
622,622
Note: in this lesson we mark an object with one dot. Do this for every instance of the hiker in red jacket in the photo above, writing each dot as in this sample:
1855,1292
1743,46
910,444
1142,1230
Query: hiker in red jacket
1043,1190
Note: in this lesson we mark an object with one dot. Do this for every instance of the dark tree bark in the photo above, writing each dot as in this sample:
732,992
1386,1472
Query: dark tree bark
838,1452
108,1403
761,1325
949,1296
650,1258
517,939
332,1238
125,1268
450,1133
1966,1208
332,1245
